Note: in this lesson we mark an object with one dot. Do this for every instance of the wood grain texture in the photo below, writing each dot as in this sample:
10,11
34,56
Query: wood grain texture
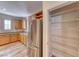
4,39
23,39
18,24
14,37
8,38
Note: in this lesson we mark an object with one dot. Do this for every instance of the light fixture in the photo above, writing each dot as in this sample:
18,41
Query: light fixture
4,9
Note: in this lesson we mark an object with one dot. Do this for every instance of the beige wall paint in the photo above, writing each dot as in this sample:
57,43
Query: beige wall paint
8,17
47,5
2,18
52,4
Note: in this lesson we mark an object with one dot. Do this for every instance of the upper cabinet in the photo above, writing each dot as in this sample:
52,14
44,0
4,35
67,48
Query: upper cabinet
18,24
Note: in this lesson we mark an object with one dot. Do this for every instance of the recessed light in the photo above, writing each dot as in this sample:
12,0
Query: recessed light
4,9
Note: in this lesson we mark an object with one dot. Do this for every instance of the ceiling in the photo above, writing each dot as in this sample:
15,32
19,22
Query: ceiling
20,8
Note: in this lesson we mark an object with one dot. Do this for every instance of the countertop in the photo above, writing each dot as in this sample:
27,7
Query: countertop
13,31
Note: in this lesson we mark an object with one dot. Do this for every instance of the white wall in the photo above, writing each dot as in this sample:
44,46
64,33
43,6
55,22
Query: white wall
47,6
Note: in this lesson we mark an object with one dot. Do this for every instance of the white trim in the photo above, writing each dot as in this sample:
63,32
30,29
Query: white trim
62,5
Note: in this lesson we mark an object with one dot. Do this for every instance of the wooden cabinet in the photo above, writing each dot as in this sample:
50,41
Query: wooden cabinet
8,38
14,37
4,39
33,52
18,24
23,38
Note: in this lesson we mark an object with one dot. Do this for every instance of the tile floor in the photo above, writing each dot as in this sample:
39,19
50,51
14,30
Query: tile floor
15,49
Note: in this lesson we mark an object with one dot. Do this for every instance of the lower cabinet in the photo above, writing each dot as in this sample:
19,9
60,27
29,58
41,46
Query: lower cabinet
23,38
8,38
14,37
4,39
33,52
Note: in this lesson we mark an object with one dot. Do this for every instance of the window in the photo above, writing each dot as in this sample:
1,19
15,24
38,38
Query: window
7,24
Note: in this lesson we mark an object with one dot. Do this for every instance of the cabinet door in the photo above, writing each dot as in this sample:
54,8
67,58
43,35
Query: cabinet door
4,39
18,24
23,39
14,38
37,52
33,52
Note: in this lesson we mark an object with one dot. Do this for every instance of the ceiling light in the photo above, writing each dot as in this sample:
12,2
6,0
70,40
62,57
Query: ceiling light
4,9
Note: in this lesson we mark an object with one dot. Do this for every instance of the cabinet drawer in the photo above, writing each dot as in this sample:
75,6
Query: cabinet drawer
4,39
23,39
14,37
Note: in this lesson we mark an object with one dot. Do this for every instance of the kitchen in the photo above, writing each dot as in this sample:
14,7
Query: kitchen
20,34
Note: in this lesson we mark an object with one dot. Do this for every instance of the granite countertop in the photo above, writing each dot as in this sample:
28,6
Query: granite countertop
13,31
